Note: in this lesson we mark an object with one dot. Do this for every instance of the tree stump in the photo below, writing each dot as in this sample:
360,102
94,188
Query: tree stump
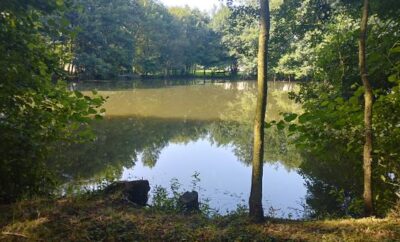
189,201
135,191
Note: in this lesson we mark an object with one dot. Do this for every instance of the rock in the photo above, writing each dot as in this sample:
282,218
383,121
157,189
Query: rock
189,201
135,191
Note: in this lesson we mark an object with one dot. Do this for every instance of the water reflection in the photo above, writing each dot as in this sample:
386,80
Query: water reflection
168,130
224,180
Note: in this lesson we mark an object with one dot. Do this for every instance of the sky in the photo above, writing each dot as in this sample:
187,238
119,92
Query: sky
205,5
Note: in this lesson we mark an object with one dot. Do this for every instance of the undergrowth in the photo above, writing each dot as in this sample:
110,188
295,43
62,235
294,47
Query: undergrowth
100,216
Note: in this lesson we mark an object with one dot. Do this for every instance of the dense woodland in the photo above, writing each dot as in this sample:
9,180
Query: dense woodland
46,44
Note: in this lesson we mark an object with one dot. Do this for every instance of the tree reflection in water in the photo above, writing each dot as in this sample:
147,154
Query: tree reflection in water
222,113
142,122
144,119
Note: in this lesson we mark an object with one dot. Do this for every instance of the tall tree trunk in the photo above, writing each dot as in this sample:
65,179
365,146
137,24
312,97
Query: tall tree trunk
255,201
368,98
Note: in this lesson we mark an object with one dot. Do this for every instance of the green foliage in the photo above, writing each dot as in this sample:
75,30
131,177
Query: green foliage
36,108
102,46
162,200
140,37
168,201
330,131
239,29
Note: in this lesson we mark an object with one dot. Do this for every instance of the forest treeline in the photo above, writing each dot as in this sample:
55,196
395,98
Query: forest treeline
123,39
45,43
127,39
141,37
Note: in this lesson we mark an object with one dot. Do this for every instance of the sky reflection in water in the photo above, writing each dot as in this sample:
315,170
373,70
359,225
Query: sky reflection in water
225,180
172,130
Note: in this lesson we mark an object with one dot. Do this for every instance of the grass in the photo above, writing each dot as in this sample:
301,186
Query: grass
102,217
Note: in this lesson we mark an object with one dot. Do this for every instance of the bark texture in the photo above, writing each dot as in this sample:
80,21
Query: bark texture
368,99
255,201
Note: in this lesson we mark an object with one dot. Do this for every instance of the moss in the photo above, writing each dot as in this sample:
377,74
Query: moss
109,218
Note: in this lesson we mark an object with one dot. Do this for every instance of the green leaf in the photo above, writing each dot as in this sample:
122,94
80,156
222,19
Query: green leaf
339,100
92,111
289,117
59,3
359,92
305,118
292,128
392,78
325,103
395,49
353,100
78,94
280,125
268,125
64,22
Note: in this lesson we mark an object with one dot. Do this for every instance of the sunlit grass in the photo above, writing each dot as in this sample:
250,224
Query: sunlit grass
109,218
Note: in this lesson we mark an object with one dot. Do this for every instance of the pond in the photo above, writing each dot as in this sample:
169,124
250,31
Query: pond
165,130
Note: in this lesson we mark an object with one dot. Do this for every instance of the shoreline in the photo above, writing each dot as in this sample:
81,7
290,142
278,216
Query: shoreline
99,217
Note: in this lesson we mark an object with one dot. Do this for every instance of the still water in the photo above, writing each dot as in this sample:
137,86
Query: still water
171,130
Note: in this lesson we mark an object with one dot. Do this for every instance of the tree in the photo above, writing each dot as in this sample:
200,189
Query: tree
239,28
368,99
36,108
103,45
141,37
331,131
255,201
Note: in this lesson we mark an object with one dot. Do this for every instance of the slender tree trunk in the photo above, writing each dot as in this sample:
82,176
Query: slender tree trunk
255,201
368,98
69,69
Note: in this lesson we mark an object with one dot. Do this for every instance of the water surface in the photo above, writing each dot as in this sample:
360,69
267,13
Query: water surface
165,130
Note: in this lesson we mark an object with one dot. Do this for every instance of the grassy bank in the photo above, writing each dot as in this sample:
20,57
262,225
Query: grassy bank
111,218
